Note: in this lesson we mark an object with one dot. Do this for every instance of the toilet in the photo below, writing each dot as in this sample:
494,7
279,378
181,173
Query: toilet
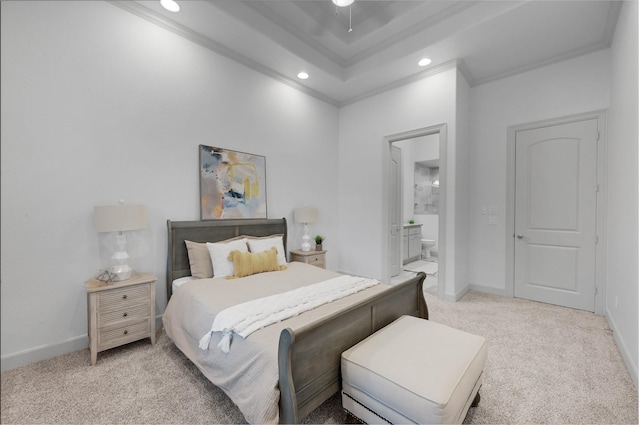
427,244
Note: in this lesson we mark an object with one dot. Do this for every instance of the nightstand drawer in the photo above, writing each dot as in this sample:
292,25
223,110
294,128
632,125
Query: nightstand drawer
122,298
317,261
127,332
315,258
138,311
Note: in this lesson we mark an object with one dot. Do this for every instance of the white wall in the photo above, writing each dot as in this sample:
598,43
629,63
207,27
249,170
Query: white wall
462,187
566,88
622,185
99,105
363,184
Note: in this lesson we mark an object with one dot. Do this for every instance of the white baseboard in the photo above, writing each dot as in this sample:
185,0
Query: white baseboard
487,289
473,287
629,361
44,352
453,297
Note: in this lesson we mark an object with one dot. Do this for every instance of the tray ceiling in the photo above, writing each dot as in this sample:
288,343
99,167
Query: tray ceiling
488,40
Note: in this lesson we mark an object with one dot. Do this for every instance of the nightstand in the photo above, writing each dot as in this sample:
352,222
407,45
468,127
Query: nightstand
120,312
315,258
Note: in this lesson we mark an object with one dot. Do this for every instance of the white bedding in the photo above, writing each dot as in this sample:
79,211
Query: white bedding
178,282
249,373
246,318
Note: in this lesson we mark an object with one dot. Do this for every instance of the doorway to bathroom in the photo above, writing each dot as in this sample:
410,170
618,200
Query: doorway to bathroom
416,206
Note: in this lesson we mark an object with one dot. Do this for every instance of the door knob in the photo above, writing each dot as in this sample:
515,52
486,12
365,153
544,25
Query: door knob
520,236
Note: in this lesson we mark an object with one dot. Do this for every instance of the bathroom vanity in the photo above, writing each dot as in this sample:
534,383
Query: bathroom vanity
411,242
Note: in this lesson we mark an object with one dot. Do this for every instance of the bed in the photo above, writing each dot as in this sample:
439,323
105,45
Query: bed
284,371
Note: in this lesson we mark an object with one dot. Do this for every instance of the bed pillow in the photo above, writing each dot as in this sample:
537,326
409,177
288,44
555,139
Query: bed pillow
219,251
249,263
199,260
175,285
261,244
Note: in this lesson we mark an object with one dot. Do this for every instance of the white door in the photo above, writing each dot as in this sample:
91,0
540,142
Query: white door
395,211
555,214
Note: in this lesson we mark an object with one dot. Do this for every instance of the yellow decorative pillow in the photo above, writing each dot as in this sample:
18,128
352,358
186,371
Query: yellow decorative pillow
248,263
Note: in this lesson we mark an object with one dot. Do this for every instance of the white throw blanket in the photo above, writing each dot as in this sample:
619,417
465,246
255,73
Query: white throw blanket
245,318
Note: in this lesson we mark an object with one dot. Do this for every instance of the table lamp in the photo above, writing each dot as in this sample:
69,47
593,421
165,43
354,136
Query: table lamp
120,218
305,215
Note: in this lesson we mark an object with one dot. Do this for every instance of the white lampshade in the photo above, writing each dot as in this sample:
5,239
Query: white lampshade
120,218
117,218
305,215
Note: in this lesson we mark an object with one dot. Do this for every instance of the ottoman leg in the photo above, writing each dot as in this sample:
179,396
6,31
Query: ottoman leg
476,400
349,419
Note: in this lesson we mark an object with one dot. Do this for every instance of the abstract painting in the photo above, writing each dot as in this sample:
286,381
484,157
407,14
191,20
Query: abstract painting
232,184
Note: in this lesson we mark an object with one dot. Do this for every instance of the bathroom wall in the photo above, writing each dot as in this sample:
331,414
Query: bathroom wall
426,191
414,150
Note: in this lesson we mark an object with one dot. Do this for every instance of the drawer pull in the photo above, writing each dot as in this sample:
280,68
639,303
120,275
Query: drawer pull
125,314
126,331
124,297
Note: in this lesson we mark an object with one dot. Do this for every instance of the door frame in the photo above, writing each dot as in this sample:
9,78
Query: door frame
601,196
387,141
397,209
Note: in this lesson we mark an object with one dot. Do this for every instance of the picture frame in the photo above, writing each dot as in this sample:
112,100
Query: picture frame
233,184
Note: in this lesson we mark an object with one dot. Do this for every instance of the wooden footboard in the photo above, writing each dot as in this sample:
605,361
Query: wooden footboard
309,358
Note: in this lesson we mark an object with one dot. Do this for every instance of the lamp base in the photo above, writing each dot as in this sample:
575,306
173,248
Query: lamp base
306,245
122,272
121,269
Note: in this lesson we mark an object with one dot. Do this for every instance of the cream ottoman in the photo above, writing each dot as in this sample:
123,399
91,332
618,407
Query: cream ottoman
413,371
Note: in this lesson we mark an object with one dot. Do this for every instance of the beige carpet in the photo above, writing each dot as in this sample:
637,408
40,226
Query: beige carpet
546,364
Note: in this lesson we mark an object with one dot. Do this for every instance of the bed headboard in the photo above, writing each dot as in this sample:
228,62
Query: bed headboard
212,231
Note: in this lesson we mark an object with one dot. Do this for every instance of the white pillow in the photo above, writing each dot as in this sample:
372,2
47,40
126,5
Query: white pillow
262,244
219,251
177,282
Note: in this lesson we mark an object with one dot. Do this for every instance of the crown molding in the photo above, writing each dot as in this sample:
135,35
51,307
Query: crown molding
179,29
404,81
540,64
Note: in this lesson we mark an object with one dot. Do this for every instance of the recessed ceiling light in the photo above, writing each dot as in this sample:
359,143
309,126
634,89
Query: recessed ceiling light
424,62
342,3
303,75
170,5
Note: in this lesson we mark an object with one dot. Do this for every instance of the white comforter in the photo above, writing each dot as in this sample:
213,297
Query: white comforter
249,373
